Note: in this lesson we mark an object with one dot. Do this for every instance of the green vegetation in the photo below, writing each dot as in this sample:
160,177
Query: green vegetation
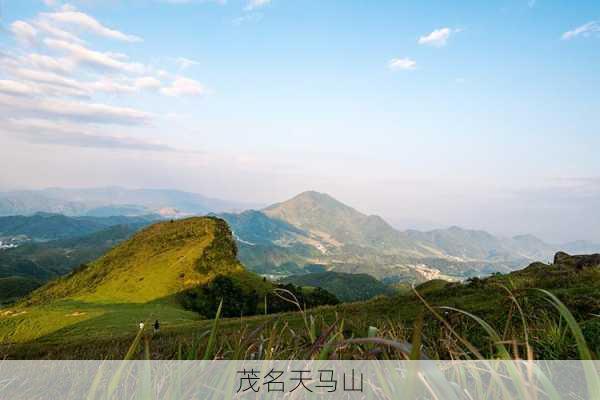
14,287
236,298
157,262
139,279
46,260
44,226
346,287
519,322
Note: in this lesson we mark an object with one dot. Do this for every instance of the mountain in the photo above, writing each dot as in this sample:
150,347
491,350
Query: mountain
314,228
257,228
346,287
332,221
46,226
111,201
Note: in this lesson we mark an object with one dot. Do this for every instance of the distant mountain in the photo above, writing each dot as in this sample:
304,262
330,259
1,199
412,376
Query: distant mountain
315,228
346,287
257,228
111,201
50,259
334,222
46,226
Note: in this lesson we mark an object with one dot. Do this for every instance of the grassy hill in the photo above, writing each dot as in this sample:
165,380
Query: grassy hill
138,280
346,287
157,262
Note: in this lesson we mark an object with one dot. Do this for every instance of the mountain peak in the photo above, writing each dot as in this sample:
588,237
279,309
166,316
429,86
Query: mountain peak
315,197
310,207
331,220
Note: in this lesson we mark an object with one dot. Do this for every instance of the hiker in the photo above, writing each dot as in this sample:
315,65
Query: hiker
141,325
156,327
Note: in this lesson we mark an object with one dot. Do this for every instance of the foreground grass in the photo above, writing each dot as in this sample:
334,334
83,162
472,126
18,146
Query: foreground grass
441,320
524,322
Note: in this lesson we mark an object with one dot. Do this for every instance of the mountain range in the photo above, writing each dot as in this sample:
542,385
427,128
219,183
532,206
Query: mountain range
311,232
314,228
110,201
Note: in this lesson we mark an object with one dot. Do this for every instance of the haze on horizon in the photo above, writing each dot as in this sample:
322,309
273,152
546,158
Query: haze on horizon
482,115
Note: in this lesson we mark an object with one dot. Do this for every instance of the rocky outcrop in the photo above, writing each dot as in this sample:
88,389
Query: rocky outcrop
578,262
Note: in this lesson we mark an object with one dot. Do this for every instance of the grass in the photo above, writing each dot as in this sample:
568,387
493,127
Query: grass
538,331
312,338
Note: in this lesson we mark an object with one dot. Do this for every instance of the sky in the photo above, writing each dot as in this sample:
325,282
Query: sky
479,114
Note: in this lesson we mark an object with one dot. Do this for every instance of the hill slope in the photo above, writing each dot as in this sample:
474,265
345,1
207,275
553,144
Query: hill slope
346,287
139,279
159,261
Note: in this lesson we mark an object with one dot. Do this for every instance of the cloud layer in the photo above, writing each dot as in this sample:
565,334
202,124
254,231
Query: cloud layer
54,76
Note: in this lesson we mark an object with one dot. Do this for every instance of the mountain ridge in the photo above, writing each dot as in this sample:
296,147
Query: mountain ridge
93,201
349,241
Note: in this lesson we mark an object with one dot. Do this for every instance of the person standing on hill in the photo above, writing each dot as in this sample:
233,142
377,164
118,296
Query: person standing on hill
141,325
156,327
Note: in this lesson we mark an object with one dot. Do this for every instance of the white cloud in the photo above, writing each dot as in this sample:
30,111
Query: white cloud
47,63
52,108
69,134
14,88
48,28
24,32
438,37
51,82
248,17
254,4
49,95
147,82
402,64
69,16
182,86
185,63
585,30
82,55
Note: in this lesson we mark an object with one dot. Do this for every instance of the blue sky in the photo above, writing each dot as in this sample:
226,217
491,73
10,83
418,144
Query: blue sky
480,114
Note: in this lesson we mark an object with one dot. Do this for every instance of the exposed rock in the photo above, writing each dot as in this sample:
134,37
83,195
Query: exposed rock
577,262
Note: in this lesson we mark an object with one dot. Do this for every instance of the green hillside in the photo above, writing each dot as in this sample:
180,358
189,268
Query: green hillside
521,316
157,262
137,280
346,287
